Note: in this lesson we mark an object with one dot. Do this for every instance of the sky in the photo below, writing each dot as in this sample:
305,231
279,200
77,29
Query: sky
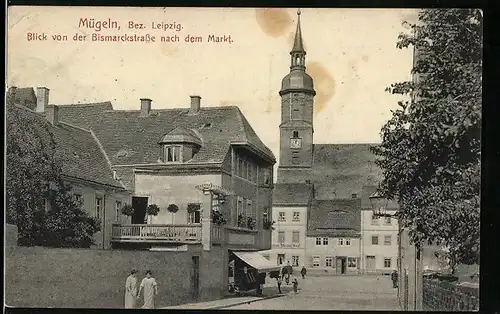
351,55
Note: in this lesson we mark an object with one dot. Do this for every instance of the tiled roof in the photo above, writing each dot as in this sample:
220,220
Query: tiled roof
365,198
339,170
292,193
131,139
78,151
335,215
24,96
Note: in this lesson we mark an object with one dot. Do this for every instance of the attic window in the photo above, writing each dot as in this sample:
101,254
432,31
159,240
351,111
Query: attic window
207,125
295,134
172,153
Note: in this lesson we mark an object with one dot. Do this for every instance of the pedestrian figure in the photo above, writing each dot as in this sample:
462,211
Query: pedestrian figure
289,270
279,280
394,278
131,290
303,272
150,288
295,285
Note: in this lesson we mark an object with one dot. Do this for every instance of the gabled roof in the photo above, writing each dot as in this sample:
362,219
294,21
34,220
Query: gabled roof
334,216
338,171
78,150
130,139
292,194
24,96
181,135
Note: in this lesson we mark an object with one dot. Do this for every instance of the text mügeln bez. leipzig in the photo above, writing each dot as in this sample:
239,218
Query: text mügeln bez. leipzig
137,32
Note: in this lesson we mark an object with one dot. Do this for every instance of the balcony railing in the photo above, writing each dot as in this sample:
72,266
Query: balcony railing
157,233
286,245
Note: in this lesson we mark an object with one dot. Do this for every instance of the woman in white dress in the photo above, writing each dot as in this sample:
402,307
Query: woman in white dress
150,288
131,290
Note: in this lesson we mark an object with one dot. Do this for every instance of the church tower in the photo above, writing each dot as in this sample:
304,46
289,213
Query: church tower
296,128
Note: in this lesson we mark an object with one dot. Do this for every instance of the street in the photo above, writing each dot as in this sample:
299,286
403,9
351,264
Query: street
333,293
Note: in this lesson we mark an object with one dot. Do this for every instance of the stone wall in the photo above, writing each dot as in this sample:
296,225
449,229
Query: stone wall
87,278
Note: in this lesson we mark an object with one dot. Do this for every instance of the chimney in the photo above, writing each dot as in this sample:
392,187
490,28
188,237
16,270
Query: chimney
195,104
145,107
354,195
52,114
42,98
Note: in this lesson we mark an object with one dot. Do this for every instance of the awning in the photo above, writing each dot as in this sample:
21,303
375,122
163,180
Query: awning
257,261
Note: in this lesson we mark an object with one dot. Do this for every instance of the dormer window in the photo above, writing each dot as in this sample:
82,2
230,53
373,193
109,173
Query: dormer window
173,153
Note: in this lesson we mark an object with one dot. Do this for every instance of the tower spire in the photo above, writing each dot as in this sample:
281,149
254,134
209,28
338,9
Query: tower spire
298,53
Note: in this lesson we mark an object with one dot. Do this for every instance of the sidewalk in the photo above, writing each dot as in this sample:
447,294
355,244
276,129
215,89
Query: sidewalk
268,292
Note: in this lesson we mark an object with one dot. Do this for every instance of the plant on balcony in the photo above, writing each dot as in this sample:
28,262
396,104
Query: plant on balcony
268,224
218,218
250,223
173,208
242,223
152,210
127,210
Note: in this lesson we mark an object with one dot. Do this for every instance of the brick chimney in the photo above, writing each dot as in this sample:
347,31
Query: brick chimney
42,98
195,104
145,107
52,114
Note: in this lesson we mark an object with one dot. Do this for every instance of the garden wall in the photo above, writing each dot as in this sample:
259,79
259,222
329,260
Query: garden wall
88,278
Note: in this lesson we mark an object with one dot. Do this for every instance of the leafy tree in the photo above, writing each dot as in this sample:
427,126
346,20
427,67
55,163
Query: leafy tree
31,165
430,151
32,171
66,224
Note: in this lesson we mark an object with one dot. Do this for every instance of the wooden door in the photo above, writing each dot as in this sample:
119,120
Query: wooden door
338,265
195,280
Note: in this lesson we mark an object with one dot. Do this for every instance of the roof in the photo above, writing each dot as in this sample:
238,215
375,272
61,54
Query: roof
330,216
292,193
130,139
24,96
182,135
365,198
338,171
77,149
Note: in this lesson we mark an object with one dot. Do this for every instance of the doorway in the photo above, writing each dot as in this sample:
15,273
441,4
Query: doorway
139,204
281,259
370,262
195,278
341,265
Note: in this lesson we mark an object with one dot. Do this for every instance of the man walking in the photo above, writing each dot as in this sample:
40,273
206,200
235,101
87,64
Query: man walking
303,272
279,280
394,278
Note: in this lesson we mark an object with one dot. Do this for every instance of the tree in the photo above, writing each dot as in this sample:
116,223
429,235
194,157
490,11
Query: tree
66,224
31,166
430,150
33,178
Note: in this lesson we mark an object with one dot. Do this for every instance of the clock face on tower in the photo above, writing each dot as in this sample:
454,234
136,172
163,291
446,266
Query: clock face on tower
295,142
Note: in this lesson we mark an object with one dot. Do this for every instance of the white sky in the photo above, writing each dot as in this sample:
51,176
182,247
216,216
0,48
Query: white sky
351,55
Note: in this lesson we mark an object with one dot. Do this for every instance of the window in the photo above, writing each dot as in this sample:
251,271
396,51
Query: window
387,220
281,216
387,262
387,240
194,213
296,216
249,208
318,241
325,241
172,153
118,211
295,134
267,176
374,240
295,261
265,214
240,167
315,261
341,242
78,198
347,242
344,242
239,206
374,220
281,237
46,204
329,261
295,237
352,262
98,206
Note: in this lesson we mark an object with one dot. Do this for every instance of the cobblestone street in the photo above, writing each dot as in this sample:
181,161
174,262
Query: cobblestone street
333,293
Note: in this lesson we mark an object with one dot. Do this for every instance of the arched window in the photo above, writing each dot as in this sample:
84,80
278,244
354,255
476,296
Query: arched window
295,134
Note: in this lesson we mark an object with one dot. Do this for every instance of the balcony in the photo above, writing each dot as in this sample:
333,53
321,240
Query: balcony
185,234
286,245
241,237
